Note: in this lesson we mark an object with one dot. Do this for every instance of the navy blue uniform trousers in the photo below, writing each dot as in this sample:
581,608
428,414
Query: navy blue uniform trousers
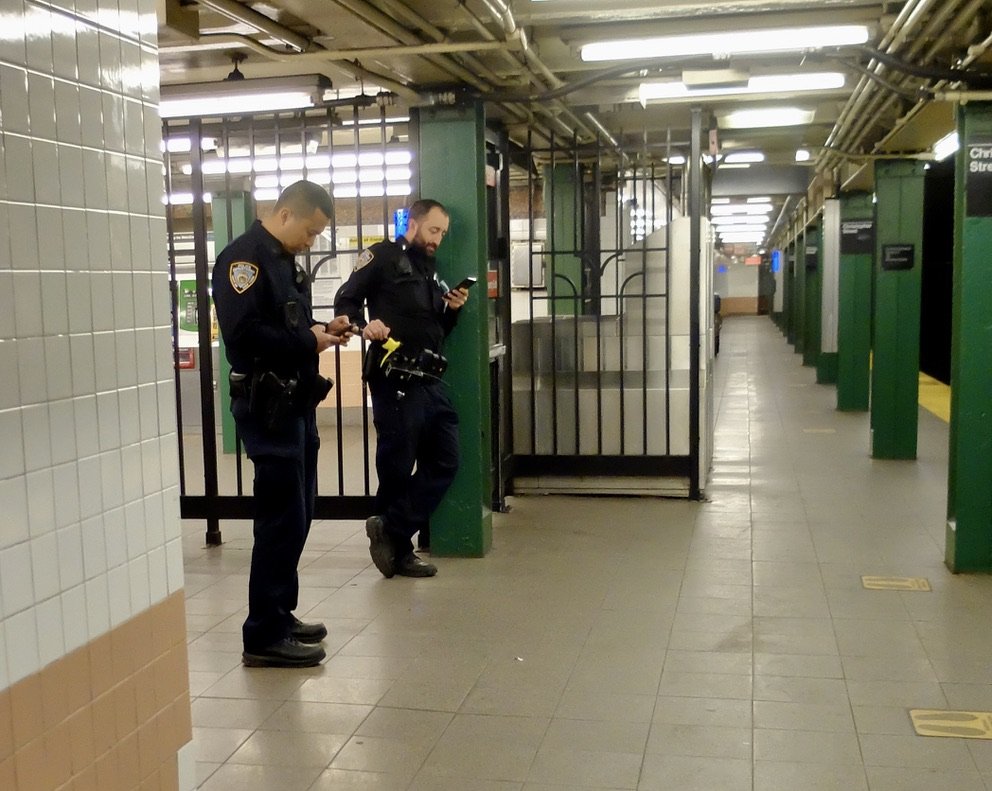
416,456
285,489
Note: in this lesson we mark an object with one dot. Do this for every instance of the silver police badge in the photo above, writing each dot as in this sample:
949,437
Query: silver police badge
364,259
243,276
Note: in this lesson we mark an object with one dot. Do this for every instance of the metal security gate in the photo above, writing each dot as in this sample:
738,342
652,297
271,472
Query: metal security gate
605,336
220,174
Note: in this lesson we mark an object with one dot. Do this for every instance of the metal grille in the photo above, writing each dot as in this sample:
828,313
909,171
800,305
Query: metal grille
219,174
599,389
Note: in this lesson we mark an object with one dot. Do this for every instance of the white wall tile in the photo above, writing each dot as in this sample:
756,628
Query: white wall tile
46,171
45,566
61,415
119,594
94,170
148,409
64,46
10,393
94,547
15,578
131,478
87,433
14,507
55,304
88,55
120,256
80,304
41,106
116,177
111,474
105,361
14,87
37,437
31,370
140,591
24,253
109,423
102,293
127,358
97,606
18,164
66,483
51,250
158,579
12,39
155,521
57,366
174,564
41,501
90,491
151,465
74,626
145,340
68,115
12,458
130,423
38,40
167,407
22,646
170,462
140,254
27,304
51,642
4,674
115,535
110,69
70,544
72,179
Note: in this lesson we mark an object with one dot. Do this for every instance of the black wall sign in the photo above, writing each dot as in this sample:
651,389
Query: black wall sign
812,257
898,256
978,178
857,236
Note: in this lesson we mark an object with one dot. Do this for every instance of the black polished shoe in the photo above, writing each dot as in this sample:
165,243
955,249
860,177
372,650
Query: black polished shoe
380,547
284,653
413,566
308,633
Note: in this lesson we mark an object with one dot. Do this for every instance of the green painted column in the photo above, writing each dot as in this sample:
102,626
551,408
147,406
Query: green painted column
813,270
561,199
969,504
789,297
242,208
800,293
857,251
895,374
452,170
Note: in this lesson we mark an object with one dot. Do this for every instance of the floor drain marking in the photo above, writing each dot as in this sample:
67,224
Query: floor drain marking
896,583
952,724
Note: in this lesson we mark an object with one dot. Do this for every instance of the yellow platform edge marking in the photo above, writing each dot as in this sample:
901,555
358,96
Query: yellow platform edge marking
895,583
952,724
935,397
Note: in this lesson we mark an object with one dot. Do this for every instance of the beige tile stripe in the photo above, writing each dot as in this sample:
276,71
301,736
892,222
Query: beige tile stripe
111,715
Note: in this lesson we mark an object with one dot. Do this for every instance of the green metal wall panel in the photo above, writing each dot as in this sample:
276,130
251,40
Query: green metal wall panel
826,368
969,493
896,342
452,170
813,268
789,297
799,289
855,307
242,208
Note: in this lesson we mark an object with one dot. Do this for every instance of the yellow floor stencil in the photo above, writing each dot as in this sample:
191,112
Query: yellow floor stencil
896,583
952,724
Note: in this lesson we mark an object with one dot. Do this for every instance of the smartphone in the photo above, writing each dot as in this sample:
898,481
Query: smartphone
468,282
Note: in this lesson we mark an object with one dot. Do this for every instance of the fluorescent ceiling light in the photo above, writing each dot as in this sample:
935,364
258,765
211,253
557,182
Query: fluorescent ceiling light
242,97
740,208
735,166
766,117
658,92
730,230
761,199
742,157
749,219
802,155
728,43
719,201
946,146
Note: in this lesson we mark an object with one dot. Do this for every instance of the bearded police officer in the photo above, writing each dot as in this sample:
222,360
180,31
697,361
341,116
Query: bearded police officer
410,313
272,340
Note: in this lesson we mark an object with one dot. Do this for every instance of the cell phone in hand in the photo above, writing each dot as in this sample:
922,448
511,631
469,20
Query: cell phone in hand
466,283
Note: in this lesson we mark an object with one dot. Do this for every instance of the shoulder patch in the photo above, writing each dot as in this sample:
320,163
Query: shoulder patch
364,259
243,275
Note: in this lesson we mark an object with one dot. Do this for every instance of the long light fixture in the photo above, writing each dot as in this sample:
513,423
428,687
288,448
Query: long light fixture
786,39
242,97
766,117
738,219
662,92
946,146
741,208
743,157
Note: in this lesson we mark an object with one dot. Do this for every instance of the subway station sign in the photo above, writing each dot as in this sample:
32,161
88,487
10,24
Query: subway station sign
978,178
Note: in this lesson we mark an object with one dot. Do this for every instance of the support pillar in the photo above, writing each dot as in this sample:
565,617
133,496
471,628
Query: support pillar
857,250
969,504
790,293
232,213
895,375
813,293
826,363
799,303
452,171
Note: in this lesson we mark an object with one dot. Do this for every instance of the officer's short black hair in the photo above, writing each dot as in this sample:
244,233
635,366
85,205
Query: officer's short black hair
303,197
421,208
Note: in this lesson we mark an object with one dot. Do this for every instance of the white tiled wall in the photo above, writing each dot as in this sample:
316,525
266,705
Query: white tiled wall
89,522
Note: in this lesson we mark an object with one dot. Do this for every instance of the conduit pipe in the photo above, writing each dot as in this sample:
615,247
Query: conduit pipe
242,13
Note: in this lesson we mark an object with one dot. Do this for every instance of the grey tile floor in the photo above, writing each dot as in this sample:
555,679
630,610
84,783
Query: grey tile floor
630,643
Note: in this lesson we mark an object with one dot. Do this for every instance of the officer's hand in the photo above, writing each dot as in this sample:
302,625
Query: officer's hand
324,341
375,330
456,298
341,329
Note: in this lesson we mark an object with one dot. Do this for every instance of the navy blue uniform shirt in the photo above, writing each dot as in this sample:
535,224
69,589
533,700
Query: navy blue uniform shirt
264,308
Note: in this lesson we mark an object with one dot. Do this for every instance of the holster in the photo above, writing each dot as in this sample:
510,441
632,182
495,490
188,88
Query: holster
271,399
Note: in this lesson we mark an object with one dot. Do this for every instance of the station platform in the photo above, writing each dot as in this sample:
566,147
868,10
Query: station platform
631,642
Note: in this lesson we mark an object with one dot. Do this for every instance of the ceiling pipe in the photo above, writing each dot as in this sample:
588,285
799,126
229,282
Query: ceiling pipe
242,13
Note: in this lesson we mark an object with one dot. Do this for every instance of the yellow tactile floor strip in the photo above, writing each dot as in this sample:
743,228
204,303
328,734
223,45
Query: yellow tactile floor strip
952,724
935,397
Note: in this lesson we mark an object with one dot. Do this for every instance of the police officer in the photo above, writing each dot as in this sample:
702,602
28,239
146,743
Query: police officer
272,340
417,427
